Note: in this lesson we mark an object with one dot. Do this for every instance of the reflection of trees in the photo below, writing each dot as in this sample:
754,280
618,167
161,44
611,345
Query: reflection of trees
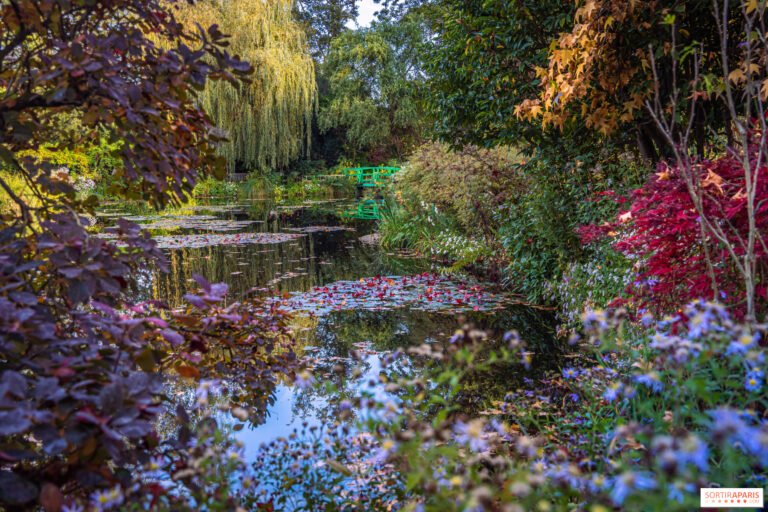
314,260
182,392
336,336
323,258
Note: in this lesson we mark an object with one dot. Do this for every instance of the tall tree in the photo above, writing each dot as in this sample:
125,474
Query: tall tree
484,63
376,79
324,21
268,123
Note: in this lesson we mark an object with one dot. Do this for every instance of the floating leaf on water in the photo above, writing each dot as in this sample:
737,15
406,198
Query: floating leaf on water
207,240
319,229
199,222
427,292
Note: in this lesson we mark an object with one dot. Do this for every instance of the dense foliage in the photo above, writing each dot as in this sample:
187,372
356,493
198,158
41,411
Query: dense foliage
79,368
447,203
325,20
484,64
375,85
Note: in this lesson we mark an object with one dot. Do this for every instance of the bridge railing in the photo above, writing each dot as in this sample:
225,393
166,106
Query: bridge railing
370,176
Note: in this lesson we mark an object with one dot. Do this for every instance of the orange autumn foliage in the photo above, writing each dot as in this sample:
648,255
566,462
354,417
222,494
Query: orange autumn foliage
592,72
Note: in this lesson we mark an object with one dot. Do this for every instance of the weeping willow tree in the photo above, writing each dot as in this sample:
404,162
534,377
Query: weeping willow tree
269,121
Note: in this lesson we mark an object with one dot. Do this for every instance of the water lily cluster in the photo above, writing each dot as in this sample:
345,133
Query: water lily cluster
425,291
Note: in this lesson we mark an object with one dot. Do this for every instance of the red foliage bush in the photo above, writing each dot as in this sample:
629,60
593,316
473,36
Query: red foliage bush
662,231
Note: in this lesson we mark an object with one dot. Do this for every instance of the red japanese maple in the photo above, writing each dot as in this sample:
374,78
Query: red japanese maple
663,231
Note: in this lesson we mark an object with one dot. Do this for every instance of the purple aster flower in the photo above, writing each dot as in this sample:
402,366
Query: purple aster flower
699,324
625,484
567,475
387,448
512,338
754,380
646,320
613,391
755,441
570,373
694,451
498,427
471,434
594,319
598,483
728,424
105,500
304,379
650,380
743,343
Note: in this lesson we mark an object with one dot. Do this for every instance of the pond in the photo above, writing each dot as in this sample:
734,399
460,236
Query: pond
349,297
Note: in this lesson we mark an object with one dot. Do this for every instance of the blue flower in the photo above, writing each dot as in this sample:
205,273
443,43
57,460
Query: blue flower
304,379
728,425
650,380
594,319
471,434
694,451
613,391
754,380
626,483
647,320
756,443
699,324
387,448
570,373
105,500
744,343
677,490
597,483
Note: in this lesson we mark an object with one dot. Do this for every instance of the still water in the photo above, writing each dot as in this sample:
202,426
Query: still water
326,245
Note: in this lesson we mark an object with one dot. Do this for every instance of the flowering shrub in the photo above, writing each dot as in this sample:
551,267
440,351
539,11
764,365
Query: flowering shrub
593,285
641,420
568,186
468,184
326,468
85,185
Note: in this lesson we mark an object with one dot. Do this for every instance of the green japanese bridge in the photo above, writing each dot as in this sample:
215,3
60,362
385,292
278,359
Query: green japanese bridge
370,176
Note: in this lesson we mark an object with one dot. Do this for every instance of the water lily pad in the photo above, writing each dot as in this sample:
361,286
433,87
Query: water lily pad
207,240
200,222
223,208
425,292
319,229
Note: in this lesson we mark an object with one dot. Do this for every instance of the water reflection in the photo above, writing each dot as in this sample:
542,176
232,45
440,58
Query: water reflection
317,259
